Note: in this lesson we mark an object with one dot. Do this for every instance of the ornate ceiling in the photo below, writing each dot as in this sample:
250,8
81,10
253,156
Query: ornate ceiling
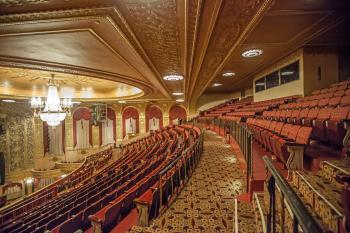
24,83
137,42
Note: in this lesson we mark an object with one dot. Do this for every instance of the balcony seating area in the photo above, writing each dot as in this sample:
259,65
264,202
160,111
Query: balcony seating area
240,110
108,195
306,138
225,108
20,208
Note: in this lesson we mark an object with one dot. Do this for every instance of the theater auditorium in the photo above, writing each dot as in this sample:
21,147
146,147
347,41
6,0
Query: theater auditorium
174,116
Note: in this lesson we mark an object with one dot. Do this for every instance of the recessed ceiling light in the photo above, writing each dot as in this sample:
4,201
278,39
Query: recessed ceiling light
252,53
122,101
229,74
217,84
9,101
173,77
178,93
180,100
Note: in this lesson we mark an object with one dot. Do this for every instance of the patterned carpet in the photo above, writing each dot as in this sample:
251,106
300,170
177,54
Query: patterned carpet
206,204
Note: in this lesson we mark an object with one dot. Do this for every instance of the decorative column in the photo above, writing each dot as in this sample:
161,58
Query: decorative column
95,136
118,123
142,120
68,135
165,109
166,118
38,149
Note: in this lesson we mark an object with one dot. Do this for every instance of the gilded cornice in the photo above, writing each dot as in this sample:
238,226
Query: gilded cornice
194,15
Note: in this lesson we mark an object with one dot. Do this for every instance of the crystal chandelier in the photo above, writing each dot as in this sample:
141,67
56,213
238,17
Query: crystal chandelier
53,110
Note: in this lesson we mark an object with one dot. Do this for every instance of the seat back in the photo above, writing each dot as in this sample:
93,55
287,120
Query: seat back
303,113
345,101
339,113
279,126
112,216
312,113
324,113
333,102
72,224
304,134
286,129
293,132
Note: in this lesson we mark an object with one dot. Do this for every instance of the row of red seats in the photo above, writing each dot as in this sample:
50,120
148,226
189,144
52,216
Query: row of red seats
20,224
277,136
47,217
171,181
46,194
110,215
327,121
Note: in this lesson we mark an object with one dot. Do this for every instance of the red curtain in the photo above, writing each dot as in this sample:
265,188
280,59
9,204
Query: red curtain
133,113
81,113
110,115
177,112
153,111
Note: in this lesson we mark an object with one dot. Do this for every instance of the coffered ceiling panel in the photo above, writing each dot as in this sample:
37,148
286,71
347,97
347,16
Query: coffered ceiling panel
76,48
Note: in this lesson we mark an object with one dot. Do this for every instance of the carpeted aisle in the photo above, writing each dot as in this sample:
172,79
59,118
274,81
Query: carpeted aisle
206,205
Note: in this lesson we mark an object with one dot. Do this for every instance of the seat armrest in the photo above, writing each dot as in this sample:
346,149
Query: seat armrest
96,219
295,144
346,123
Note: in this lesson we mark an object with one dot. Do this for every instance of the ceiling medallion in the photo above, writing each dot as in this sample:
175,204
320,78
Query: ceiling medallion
178,93
53,110
217,84
229,74
180,100
173,77
252,53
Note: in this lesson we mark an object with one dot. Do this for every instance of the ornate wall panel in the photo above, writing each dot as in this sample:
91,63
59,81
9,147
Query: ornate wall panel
18,142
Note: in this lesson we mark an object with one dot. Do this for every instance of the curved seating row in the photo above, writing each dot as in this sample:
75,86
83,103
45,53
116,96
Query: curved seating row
21,207
114,187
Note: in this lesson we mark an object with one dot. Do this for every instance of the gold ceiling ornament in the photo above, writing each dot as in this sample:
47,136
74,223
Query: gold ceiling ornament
53,110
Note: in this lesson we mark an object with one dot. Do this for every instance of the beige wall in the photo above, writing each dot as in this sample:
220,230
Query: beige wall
210,100
327,61
293,88
310,60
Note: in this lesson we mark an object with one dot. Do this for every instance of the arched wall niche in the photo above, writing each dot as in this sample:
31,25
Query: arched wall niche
46,136
130,113
177,112
153,112
111,115
79,114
